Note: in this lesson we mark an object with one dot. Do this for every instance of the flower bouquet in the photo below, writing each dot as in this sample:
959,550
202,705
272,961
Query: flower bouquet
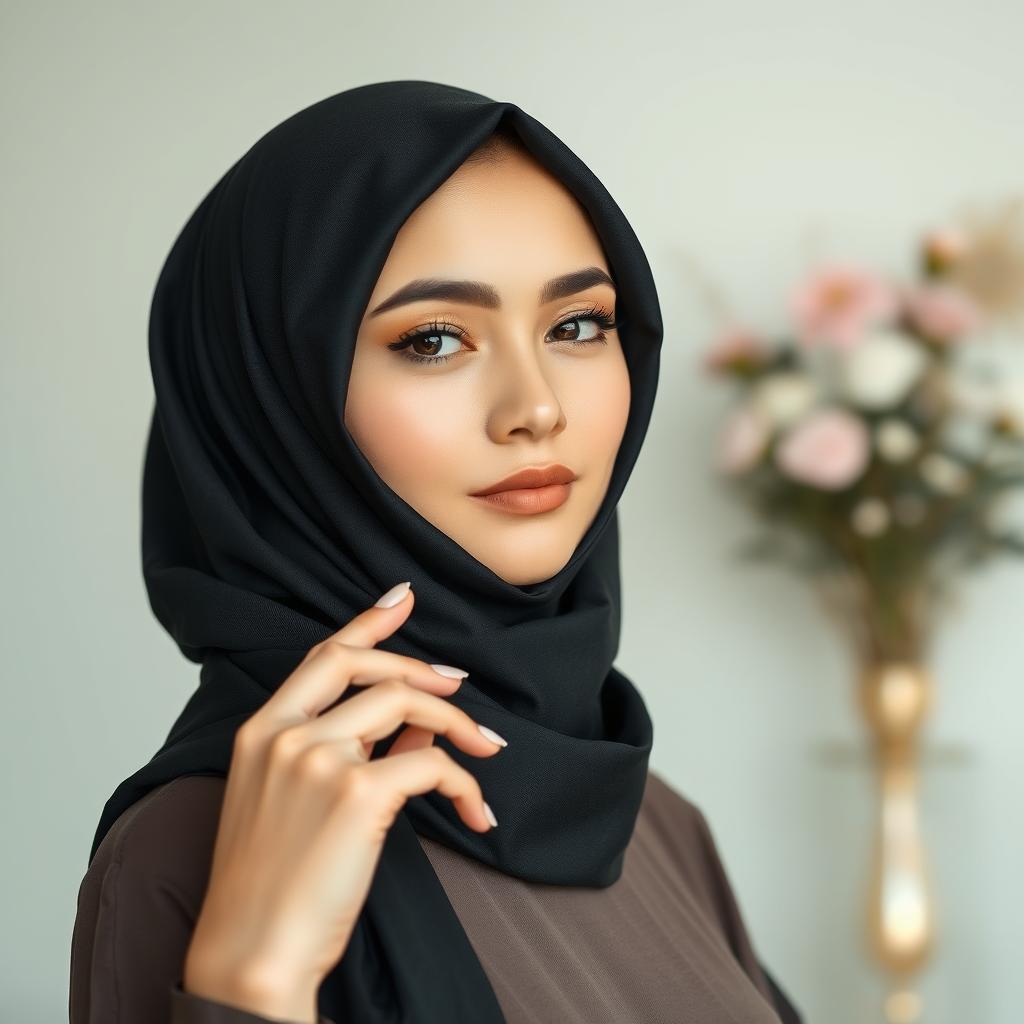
882,457
879,459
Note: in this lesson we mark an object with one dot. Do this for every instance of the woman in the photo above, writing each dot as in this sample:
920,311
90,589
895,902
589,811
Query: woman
407,344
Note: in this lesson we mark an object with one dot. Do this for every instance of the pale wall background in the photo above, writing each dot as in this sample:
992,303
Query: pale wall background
735,132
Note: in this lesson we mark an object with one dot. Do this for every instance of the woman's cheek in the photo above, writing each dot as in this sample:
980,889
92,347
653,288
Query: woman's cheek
606,410
412,437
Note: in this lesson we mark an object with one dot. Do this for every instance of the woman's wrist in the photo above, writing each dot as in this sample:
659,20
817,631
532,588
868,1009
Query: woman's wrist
252,985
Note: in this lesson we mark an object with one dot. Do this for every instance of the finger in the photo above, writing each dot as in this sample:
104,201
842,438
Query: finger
412,737
375,623
380,710
318,683
420,771
372,665
380,620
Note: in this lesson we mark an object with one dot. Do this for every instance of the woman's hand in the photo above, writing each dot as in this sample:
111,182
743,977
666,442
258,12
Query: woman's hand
306,812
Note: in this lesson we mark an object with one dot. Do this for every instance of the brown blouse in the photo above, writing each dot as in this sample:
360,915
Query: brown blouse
664,944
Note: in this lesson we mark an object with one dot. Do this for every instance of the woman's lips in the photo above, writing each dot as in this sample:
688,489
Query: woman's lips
527,501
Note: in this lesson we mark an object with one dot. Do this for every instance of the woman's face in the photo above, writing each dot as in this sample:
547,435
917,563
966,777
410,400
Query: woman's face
509,363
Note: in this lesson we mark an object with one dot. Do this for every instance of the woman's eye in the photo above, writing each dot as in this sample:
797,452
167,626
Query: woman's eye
427,346
569,330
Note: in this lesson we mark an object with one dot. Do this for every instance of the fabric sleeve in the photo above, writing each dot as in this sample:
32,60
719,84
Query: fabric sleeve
137,908
189,1008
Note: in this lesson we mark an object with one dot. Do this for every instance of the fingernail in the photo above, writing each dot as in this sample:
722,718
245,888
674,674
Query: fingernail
450,671
490,814
393,596
492,735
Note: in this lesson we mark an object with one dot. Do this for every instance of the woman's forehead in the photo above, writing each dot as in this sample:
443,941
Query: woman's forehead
512,239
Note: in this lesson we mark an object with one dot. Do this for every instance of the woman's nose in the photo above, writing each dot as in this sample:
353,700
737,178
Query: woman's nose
524,399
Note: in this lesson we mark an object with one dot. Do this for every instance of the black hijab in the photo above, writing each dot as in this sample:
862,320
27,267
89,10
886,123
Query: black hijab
265,528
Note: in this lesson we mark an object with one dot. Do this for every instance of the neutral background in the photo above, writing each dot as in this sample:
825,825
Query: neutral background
746,136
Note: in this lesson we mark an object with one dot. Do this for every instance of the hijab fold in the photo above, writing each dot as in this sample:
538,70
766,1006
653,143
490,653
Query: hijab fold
265,528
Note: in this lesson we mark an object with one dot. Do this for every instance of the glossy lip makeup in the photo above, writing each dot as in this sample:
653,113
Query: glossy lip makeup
529,491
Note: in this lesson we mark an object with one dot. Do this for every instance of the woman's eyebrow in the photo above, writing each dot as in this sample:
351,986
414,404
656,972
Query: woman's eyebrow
478,293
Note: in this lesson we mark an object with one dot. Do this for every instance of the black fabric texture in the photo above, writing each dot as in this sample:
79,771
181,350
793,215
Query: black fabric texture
265,528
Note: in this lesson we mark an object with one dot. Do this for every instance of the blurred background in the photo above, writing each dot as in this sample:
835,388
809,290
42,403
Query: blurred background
744,142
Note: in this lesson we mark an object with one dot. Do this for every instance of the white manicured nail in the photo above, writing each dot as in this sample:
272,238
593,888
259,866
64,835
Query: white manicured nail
450,671
492,735
393,596
490,814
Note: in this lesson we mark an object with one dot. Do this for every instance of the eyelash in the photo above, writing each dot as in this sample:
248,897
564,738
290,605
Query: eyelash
604,320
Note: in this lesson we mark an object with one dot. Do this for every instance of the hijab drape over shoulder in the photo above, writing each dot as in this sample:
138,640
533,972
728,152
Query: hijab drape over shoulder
265,529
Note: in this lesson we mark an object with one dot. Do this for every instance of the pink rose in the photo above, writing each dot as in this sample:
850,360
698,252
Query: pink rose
942,312
735,346
828,449
744,438
836,303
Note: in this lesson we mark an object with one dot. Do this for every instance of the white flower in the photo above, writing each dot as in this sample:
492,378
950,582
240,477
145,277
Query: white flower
943,473
784,397
896,440
870,517
880,371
